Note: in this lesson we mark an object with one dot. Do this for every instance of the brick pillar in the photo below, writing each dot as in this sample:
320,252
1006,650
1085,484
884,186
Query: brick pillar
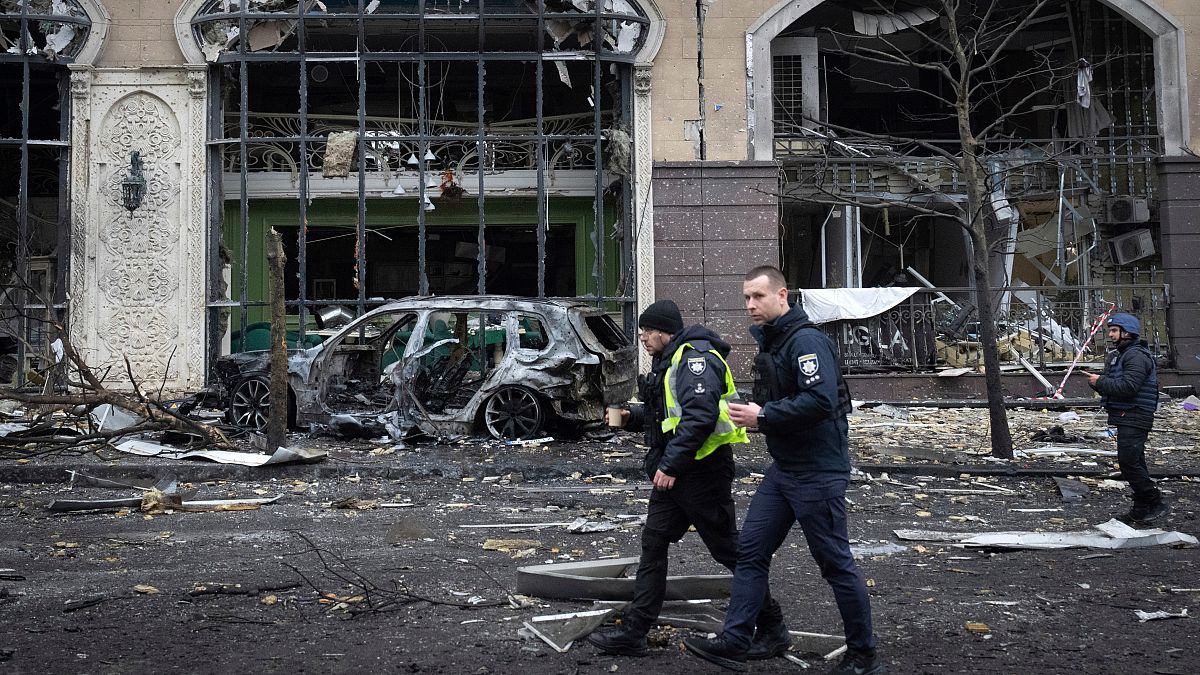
713,221
1179,218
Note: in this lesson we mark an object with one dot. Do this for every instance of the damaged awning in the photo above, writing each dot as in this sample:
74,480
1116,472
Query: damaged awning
837,304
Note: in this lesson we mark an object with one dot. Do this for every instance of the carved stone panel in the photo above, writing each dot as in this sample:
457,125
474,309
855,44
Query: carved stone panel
139,289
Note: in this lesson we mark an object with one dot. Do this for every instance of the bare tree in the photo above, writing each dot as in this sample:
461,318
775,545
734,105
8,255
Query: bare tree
66,382
979,73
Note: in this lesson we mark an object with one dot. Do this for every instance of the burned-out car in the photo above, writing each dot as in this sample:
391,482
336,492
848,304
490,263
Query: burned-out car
448,366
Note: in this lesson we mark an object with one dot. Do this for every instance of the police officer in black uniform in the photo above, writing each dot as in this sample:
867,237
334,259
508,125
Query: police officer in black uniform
1129,392
801,403
690,461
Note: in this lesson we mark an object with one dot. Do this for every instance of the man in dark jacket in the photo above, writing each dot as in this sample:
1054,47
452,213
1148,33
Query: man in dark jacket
1129,390
801,403
690,461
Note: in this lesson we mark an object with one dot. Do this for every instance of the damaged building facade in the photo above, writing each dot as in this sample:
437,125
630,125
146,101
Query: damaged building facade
609,150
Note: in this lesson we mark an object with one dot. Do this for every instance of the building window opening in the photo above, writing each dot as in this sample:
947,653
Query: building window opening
37,41
419,148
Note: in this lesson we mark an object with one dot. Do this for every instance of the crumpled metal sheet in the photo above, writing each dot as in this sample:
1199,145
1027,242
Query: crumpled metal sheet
280,456
1108,535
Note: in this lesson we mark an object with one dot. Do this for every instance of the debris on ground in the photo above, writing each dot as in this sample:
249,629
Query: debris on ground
1143,617
560,630
1110,535
280,456
608,580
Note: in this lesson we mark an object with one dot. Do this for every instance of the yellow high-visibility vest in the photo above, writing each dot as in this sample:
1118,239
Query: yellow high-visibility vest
725,431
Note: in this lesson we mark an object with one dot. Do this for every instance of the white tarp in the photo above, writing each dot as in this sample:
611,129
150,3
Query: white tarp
836,304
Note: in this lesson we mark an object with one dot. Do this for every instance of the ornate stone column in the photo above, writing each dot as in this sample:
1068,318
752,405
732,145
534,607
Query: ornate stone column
643,200
81,321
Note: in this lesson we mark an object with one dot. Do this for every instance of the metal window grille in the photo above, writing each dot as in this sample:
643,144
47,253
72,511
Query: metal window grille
438,99
37,40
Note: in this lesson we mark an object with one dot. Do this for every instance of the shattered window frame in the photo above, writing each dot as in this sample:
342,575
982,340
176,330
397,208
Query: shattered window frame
413,158
49,34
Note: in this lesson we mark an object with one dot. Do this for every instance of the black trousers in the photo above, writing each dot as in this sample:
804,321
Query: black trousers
1131,454
704,500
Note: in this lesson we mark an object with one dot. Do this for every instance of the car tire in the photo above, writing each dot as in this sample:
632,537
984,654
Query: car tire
250,404
514,413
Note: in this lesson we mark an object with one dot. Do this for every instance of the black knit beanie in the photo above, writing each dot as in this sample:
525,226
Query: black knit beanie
662,315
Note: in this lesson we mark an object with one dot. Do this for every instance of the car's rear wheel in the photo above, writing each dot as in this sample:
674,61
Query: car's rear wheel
514,413
250,404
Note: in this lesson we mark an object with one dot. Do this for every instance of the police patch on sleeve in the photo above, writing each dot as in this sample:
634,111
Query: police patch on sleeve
697,365
809,365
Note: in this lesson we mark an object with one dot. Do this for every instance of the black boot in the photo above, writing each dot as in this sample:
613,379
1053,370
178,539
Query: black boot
719,651
1155,511
621,641
859,663
1136,514
769,643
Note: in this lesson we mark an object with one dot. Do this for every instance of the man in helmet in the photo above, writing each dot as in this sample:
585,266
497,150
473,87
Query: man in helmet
1129,392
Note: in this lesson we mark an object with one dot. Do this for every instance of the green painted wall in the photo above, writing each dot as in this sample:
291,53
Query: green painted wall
382,214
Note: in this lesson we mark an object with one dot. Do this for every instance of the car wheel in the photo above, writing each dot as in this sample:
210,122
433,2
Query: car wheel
514,412
250,404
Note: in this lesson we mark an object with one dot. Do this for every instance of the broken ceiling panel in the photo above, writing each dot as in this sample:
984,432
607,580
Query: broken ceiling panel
884,24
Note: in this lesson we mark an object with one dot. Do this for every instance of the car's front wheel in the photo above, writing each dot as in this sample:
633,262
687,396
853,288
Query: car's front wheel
250,404
514,413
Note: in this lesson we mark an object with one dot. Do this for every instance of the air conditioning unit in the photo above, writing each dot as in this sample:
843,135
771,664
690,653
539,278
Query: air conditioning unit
1133,246
1119,210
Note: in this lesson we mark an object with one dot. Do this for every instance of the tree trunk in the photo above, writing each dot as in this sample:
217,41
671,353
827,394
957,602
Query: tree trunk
979,207
278,418
997,415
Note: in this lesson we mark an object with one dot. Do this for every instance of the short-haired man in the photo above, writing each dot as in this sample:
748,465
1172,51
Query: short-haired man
690,461
1129,392
801,403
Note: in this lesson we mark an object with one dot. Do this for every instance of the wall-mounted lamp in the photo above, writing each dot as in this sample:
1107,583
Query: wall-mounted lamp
133,187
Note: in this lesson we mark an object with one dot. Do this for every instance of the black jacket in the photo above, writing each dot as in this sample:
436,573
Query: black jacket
798,382
1129,385
699,395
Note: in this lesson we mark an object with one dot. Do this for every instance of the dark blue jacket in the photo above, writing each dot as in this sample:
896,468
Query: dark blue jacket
798,382
699,396
1129,385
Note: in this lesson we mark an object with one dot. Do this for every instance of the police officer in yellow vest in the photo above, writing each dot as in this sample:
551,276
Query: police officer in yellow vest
690,461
